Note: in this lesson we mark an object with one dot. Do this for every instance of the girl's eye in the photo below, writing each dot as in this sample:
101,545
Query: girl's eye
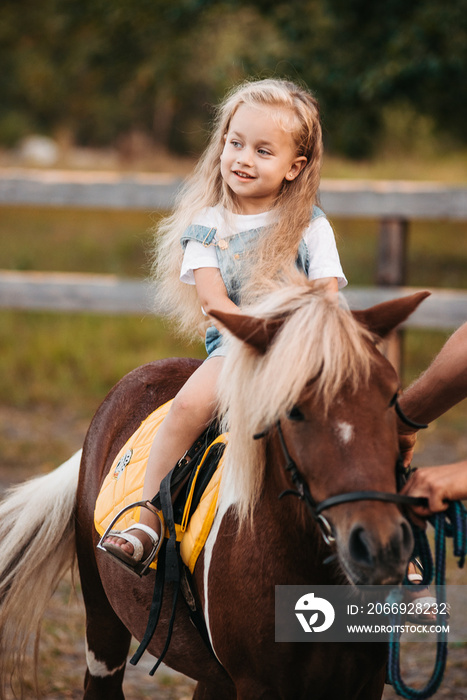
295,414
263,152
236,144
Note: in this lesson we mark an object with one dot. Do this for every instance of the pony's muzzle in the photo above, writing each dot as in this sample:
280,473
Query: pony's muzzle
379,555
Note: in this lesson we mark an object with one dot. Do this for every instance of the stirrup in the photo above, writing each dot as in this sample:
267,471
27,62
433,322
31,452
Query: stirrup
140,568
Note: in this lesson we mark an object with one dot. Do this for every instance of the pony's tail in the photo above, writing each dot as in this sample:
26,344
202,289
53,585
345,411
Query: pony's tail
37,547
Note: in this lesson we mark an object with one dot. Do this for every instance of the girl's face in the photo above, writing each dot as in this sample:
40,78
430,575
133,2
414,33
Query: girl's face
258,156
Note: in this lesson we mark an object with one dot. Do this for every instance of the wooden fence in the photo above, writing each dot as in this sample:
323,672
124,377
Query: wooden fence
76,292
393,203
349,198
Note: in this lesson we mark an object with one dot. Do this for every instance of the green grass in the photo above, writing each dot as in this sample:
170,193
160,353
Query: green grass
120,243
55,371
436,252
52,358
397,163
75,240
58,364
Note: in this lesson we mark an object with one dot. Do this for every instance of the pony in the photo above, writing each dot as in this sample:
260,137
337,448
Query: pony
306,378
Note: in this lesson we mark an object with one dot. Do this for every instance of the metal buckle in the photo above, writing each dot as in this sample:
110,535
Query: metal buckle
326,529
207,236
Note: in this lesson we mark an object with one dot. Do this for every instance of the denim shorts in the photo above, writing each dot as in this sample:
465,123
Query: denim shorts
213,343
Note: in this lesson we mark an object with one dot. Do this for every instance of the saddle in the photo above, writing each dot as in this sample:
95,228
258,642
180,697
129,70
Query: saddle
188,502
194,486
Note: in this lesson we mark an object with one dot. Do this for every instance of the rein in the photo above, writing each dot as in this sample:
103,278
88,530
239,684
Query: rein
450,523
316,509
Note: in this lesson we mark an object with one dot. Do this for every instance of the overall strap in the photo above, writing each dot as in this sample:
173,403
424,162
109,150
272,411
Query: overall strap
199,233
317,212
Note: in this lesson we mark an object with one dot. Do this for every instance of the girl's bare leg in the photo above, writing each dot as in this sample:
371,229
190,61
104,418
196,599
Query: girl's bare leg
192,410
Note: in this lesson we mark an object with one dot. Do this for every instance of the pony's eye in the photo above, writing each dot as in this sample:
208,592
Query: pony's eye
295,414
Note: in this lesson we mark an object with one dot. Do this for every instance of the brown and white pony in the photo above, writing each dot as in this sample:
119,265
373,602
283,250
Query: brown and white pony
302,360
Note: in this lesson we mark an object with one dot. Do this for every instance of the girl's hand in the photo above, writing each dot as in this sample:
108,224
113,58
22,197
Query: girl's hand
439,484
327,284
212,293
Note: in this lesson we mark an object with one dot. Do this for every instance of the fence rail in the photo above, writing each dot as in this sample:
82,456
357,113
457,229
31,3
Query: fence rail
108,190
69,292
393,203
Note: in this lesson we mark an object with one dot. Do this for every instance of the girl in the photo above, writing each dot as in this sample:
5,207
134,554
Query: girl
247,215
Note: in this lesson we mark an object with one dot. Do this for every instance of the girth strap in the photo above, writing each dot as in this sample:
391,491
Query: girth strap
169,566
168,571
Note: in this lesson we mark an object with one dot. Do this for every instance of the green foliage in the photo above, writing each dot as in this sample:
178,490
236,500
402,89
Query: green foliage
107,68
101,69
362,56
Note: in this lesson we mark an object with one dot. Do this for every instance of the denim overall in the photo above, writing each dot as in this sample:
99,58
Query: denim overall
231,253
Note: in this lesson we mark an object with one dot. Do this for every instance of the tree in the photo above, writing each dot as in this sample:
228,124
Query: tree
362,56
99,69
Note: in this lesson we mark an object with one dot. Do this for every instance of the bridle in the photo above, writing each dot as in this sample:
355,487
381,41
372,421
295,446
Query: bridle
316,509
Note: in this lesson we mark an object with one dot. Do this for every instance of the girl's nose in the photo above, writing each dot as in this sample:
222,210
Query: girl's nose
245,157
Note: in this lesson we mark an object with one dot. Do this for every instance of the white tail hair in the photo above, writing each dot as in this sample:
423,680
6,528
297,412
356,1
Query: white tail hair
37,548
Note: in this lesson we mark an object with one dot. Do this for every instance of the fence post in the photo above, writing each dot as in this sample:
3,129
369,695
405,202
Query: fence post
391,272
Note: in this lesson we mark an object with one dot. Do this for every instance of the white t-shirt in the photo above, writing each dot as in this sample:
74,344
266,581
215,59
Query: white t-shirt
318,236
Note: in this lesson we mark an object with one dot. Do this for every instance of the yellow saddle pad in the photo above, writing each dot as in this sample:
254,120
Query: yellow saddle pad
123,485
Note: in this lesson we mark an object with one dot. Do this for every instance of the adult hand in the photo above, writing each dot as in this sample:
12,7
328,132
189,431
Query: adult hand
439,485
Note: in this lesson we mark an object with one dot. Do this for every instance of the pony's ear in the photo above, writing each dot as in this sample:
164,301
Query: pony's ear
383,318
256,332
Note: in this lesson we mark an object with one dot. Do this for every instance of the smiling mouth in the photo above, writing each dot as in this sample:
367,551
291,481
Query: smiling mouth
243,176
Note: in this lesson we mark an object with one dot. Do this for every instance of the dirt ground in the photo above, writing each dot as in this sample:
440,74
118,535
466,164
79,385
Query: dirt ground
26,438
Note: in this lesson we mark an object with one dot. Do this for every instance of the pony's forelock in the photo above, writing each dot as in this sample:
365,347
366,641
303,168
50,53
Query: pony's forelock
319,341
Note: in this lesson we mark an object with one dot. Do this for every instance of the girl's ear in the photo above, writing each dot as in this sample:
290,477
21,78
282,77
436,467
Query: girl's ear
296,168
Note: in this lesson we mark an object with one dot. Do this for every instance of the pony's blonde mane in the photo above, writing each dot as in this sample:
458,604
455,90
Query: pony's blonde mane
320,341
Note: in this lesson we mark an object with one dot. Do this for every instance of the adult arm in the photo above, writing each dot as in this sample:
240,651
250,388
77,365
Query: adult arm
442,386
437,390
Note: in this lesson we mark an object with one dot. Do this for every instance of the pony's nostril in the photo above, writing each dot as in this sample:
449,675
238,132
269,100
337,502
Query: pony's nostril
358,547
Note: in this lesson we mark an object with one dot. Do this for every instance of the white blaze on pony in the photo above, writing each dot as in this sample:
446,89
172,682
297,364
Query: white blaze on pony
344,431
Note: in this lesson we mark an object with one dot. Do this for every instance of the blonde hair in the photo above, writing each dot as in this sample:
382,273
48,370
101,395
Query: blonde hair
277,251
320,348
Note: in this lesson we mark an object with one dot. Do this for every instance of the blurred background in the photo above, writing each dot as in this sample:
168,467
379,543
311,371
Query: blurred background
139,76
128,86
